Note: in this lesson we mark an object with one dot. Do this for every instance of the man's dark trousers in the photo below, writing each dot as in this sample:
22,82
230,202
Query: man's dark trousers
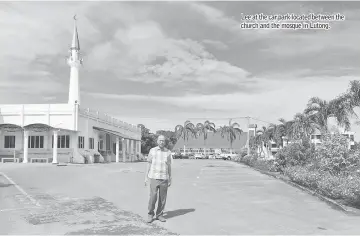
161,186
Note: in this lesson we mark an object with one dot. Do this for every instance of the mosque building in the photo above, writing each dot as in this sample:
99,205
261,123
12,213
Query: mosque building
28,132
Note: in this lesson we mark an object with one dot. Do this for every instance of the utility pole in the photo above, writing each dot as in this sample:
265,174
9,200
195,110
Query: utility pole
248,135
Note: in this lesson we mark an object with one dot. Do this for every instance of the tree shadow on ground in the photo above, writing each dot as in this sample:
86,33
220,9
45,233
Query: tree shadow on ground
179,212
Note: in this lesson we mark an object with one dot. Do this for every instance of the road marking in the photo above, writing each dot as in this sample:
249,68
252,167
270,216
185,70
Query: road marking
21,189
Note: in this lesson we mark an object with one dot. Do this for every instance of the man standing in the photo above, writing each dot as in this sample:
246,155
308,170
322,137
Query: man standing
158,173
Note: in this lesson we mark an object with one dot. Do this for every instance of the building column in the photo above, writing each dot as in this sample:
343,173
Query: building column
26,143
123,149
117,149
55,154
132,150
139,147
96,140
74,145
137,150
128,147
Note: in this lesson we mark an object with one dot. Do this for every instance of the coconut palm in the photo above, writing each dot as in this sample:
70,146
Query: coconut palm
257,143
303,126
320,111
275,133
285,128
353,93
352,96
184,131
231,131
202,129
262,139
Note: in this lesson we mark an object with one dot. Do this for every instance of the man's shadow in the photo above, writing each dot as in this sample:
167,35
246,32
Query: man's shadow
2,185
179,212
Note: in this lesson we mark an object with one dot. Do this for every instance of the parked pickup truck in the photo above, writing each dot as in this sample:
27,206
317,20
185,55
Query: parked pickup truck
228,156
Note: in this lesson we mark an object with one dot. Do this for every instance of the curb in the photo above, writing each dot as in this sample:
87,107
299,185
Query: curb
327,200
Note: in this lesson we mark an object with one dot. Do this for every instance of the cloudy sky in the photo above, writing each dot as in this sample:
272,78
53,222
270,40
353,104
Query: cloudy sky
159,63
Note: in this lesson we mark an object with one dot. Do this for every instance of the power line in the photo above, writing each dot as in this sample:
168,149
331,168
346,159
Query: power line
262,120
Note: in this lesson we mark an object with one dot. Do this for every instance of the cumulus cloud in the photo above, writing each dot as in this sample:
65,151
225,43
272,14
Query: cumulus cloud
210,64
217,44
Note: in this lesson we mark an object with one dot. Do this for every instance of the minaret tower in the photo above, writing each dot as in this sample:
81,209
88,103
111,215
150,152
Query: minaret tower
75,62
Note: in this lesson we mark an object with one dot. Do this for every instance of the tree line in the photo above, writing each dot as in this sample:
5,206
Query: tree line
315,117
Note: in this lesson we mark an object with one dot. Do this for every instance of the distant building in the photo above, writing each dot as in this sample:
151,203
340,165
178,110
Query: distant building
65,132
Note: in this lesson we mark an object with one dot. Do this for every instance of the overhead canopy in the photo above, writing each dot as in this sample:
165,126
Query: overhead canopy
38,127
10,127
35,127
115,133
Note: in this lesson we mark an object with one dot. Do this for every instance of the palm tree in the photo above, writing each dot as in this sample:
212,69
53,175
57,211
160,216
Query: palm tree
274,133
184,131
256,143
353,94
320,111
303,126
231,131
262,138
204,128
285,128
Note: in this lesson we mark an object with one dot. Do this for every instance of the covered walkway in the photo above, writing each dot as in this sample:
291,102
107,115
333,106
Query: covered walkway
34,136
130,147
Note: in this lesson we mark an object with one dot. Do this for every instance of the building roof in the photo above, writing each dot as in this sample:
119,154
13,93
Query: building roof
214,140
115,133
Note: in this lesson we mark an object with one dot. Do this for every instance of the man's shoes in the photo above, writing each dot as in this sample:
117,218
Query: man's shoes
150,219
161,218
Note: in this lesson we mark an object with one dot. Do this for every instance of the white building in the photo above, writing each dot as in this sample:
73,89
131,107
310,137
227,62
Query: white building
316,138
28,131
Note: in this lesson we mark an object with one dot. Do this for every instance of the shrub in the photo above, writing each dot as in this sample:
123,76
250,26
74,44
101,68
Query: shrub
295,154
344,187
333,155
243,152
259,163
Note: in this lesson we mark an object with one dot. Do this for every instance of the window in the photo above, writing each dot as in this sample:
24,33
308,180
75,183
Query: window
318,136
114,148
91,143
36,142
9,142
81,142
62,142
352,137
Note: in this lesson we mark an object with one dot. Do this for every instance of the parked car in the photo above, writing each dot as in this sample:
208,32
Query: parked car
218,156
228,156
199,156
177,156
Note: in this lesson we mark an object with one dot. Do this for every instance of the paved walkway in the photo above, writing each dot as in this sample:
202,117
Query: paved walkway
207,197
